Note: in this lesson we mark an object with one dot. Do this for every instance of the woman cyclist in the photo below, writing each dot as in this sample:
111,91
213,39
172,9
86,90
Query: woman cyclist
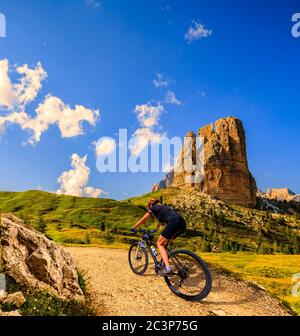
173,223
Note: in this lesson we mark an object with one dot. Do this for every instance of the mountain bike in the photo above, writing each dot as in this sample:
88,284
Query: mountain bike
191,278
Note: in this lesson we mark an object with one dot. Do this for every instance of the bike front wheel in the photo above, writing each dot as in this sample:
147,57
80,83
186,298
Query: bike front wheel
192,279
138,259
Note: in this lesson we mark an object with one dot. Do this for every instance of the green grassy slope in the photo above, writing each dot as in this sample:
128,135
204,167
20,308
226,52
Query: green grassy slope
273,272
212,225
216,226
72,220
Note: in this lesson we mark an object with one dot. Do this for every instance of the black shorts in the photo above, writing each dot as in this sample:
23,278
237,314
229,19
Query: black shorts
174,228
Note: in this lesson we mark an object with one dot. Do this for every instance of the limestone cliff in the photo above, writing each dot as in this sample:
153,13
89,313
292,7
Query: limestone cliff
226,172
219,167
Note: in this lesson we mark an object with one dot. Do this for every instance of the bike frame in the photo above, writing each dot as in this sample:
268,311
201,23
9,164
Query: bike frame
146,245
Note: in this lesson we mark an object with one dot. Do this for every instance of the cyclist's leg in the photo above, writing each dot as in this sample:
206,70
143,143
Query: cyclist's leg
169,233
162,243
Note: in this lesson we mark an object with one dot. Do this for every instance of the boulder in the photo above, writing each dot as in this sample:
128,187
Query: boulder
14,313
16,300
34,261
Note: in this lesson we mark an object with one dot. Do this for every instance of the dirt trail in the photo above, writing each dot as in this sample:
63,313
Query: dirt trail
118,291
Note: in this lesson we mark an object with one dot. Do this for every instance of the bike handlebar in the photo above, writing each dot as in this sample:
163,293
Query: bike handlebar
143,231
146,231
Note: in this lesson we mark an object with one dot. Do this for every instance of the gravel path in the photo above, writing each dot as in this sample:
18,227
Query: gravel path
117,291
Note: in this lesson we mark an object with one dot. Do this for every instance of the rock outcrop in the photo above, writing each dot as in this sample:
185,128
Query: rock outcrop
280,194
167,182
295,198
15,300
217,165
33,261
185,169
226,172
14,313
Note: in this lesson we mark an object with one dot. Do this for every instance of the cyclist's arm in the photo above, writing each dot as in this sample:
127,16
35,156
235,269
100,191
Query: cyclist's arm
142,220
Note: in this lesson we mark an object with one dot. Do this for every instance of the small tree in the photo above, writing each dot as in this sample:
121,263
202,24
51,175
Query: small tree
58,226
87,238
41,226
234,248
102,226
108,237
296,248
205,246
286,249
275,247
215,238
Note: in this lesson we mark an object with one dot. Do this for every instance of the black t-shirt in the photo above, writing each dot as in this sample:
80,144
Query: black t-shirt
163,213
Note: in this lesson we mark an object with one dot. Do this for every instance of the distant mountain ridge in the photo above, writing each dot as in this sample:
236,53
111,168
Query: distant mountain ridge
282,194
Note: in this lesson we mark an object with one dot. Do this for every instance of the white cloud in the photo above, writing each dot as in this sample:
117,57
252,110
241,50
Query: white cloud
7,94
92,3
93,192
160,81
141,139
148,115
105,146
196,32
74,182
171,98
54,111
201,93
30,83
167,167
15,97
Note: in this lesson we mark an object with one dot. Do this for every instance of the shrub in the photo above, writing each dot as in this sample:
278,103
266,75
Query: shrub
41,225
205,247
73,241
108,237
87,238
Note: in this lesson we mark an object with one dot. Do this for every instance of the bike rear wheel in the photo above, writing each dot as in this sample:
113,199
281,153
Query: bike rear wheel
138,259
192,279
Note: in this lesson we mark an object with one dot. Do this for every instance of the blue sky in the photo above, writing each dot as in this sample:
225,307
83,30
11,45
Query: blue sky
106,57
